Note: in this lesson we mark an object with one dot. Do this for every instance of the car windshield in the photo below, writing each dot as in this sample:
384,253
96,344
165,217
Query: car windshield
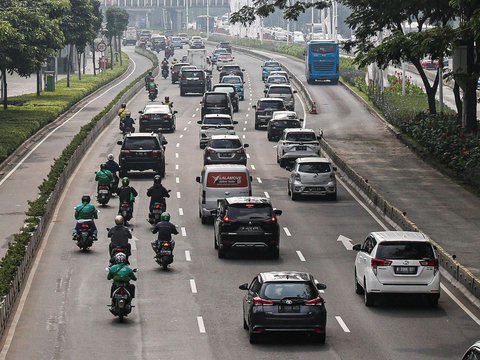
323,48
249,211
132,143
215,99
272,64
276,105
231,80
193,74
314,168
280,90
177,67
225,144
224,89
405,250
301,137
297,290
277,80
220,51
287,123
217,121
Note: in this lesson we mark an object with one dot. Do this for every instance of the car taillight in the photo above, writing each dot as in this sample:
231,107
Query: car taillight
156,152
145,117
430,262
241,151
226,218
260,301
379,262
316,301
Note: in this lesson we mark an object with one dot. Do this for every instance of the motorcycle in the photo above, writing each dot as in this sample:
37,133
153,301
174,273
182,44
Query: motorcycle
115,251
84,234
152,94
121,304
126,210
128,130
114,185
157,209
165,72
103,194
163,253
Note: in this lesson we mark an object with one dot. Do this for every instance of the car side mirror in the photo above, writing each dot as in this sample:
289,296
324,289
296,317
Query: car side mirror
254,106
197,179
164,142
119,142
214,212
277,212
288,168
294,91
243,286
199,121
140,112
245,145
357,247
300,119
175,112
321,286
235,122
334,168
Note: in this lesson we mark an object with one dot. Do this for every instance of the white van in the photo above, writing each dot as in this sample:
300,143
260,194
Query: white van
219,182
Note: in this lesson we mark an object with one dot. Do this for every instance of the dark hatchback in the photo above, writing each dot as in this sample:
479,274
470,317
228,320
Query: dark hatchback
231,69
246,222
193,81
284,301
275,127
141,151
226,46
157,118
231,91
175,71
265,108
216,103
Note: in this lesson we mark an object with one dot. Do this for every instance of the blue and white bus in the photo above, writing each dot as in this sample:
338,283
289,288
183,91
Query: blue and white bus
322,61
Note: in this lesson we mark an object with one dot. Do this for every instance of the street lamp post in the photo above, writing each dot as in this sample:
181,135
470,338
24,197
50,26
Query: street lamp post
208,19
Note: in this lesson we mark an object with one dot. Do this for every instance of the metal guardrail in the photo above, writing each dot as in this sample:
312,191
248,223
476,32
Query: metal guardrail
453,267
7,304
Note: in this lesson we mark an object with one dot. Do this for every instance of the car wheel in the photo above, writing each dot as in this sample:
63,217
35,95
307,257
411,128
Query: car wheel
253,338
368,298
282,163
358,288
309,81
288,189
275,253
278,159
320,338
221,253
215,245
204,219
433,300
269,137
182,93
245,325
294,196
257,127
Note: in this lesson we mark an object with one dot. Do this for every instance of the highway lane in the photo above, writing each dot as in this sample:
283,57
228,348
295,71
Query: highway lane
27,172
66,311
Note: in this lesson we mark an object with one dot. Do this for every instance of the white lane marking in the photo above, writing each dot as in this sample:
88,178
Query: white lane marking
20,163
244,129
246,115
189,122
267,195
178,145
248,156
345,241
193,115
259,180
179,196
181,136
185,128
180,211
176,166
460,304
193,286
321,291
188,257
253,167
243,136
196,109
176,155
177,180
300,255
246,122
248,109
249,104
342,324
201,325
304,111
184,231
287,231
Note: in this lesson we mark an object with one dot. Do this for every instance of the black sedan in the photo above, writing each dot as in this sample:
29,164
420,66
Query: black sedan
287,301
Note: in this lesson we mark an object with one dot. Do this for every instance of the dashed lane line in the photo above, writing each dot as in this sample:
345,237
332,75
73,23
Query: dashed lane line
287,232
267,195
179,196
181,136
185,128
248,156
176,167
188,257
176,155
180,211
177,180
300,255
342,324
252,166
193,286
183,231
178,145
259,180
201,325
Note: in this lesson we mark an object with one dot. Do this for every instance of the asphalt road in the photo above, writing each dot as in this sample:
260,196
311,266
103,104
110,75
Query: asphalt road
193,311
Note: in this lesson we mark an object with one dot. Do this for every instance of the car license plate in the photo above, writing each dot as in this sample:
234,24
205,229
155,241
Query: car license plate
156,211
405,269
301,148
225,155
250,228
103,191
165,252
289,308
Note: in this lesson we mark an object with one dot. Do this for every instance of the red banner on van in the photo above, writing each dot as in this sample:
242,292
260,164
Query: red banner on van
227,179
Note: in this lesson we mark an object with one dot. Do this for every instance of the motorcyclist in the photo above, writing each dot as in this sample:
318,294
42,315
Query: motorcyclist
128,122
103,176
126,193
152,86
121,274
112,166
86,212
164,63
149,77
165,229
167,101
122,112
157,192
119,236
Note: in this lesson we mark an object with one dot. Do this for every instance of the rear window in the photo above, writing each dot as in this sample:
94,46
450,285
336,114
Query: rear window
193,74
276,105
224,89
177,67
249,211
277,80
217,121
288,123
132,143
227,179
394,250
301,137
323,48
220,51
216,99
272,64
231,80
292,290
280,90
225,144
314,168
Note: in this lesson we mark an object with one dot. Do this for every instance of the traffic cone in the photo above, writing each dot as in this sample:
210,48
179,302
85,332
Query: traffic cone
314,109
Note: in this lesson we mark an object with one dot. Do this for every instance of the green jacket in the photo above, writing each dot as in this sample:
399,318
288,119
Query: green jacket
121,273
85,211
104,177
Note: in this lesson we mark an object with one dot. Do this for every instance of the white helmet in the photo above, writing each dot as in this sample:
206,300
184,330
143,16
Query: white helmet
119,220
120,258
110,157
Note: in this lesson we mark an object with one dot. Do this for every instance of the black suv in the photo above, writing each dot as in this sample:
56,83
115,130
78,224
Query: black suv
287,301
231,90
246,222
216,103
192,81
275,127
156,118
141,151
175,71
265,108
231,69
226,46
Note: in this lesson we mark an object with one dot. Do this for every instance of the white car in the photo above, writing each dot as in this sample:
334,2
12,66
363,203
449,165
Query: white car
215,124
297,143
397,262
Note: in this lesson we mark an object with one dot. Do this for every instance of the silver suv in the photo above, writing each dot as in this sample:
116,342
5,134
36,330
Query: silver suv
312,177
225,149
215,124
297,143
284,92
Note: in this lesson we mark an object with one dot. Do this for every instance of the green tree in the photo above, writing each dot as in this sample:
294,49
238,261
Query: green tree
117,22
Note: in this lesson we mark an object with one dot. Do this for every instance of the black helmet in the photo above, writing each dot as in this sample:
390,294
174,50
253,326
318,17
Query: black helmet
86,198
124,105
125,181
150,73
157,179
103,166
167,98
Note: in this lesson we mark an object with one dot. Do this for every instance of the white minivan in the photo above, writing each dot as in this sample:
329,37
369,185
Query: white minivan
219,182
